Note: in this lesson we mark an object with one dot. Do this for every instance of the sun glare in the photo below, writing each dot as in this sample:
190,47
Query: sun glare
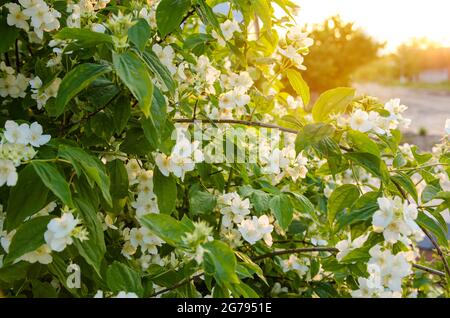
393,21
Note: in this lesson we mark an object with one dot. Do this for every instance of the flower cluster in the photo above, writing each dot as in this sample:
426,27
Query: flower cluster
236,212
12,85
386,272
34,13
396,220
16,146
146,201
60,231
43,94
296,45
373,121
185,154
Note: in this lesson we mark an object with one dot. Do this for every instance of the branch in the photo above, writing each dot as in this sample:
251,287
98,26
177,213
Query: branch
183,282
429,270
438,249
297,250
235,121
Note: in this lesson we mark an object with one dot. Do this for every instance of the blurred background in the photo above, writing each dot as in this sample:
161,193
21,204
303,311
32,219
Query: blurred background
385,48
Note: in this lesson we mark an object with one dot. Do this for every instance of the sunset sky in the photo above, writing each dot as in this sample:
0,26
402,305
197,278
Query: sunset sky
394,21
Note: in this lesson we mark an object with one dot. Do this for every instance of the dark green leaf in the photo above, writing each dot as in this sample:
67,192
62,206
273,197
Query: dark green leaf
26,198
165,189
281,207
133,73
54,180
75,81
169,15
29,236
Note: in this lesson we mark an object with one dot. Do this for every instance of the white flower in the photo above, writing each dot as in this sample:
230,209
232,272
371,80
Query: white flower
99,28
37,139
294,264
228,28
395,219
164,163
124,294
8,173
17,134
447,126
346,246
254,229
299,38
41,255
59,232
16,17
359,120
292,53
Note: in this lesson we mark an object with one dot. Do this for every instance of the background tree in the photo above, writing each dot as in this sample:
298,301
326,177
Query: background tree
339,49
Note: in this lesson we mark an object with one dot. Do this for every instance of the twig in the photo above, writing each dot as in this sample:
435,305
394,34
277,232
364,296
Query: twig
185,281
429,270
17,56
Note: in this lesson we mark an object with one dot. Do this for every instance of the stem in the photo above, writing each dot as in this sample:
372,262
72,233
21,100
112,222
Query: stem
17,56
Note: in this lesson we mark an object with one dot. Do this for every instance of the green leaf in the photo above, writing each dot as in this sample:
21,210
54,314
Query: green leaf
26,198
429,193
84,38
120,277
366,160
29,236
312,134
121,112
139,34
259,199
332,102
9,35
119,184
207,15
75,81
220,261
135,143
166,227
159,70
169,15
363,143
429,224
407,184
281,207
53,180
299,85
341,198
90,166
94,249
133,73
165,189
362,210
302,203
201,202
